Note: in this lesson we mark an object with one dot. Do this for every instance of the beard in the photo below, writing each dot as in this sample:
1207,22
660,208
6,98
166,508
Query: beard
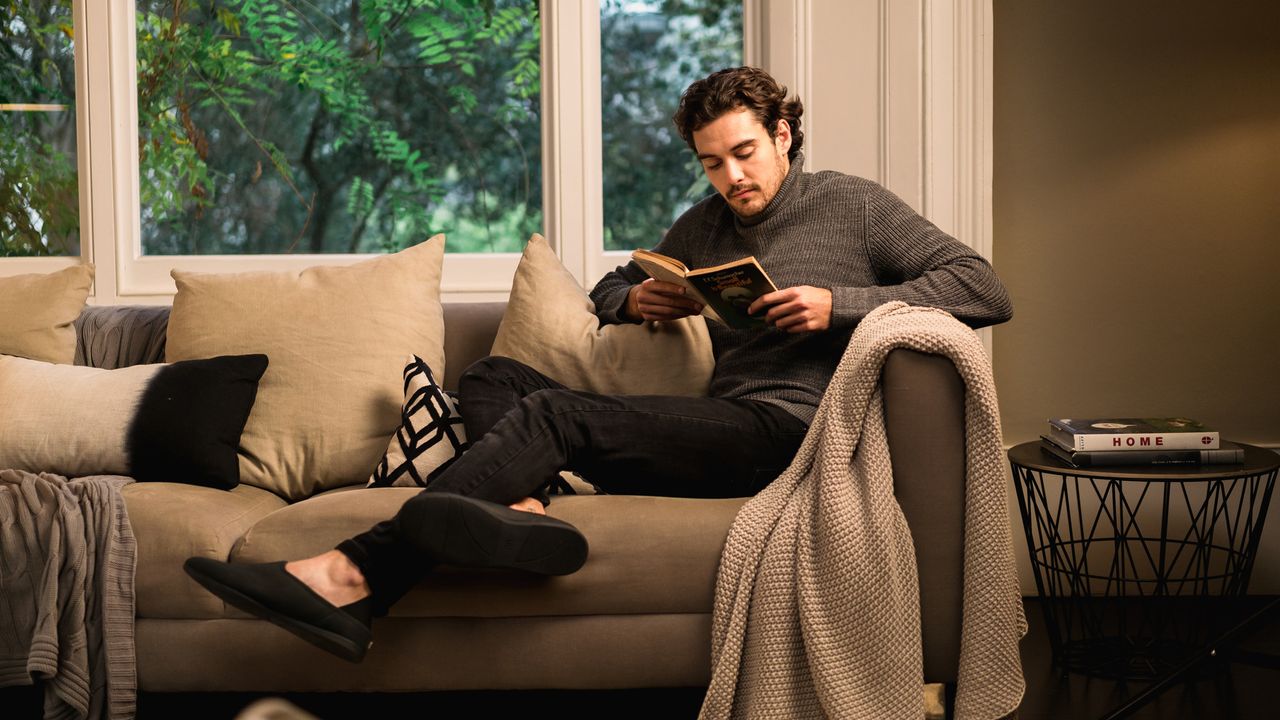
764,192
751,205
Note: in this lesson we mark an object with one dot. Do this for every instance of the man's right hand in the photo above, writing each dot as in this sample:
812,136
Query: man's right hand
658,300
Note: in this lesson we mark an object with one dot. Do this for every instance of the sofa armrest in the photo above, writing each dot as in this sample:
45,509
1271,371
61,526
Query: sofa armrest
924,420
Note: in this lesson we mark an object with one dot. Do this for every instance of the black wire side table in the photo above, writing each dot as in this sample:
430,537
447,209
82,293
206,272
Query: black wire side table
1137,566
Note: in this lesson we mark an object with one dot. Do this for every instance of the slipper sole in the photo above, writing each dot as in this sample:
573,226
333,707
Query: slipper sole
463,531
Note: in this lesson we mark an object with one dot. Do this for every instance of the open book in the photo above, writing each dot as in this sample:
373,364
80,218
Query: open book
725,291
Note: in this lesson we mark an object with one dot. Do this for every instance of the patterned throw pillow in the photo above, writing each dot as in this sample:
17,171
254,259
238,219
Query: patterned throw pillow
430,436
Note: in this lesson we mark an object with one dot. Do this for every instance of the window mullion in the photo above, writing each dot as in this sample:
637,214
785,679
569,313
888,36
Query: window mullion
107,140
573,203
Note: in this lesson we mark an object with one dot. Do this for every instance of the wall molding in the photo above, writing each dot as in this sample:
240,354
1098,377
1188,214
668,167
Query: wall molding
958,131
901,93
786,49
898,91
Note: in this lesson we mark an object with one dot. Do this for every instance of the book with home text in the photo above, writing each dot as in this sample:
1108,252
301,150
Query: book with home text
725,291
1228,453
1132,434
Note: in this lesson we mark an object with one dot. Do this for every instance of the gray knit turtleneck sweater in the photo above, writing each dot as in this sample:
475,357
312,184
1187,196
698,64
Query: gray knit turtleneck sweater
829,230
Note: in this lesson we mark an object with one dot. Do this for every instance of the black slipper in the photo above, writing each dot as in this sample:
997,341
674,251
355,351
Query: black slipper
459,530
270,592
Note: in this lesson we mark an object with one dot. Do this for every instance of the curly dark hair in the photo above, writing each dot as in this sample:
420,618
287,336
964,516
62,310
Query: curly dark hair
741,87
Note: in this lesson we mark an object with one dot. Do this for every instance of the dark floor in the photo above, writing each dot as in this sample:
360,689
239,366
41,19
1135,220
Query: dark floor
1229,688
1228,691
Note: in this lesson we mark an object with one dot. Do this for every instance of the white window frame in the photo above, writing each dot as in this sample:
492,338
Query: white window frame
572,152
107,130
932,134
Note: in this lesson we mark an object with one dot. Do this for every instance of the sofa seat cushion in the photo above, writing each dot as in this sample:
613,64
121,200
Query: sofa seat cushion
648,555
173,522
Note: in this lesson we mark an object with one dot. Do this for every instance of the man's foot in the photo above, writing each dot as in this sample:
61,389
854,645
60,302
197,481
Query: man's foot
332,576
268,591
529,505
459,530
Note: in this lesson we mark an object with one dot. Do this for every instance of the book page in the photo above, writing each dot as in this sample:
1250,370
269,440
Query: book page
666,269
646,257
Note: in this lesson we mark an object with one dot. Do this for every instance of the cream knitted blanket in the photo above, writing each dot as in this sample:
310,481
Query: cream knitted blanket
817,610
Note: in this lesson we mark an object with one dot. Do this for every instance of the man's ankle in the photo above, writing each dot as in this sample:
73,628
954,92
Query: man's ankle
331,575
343,572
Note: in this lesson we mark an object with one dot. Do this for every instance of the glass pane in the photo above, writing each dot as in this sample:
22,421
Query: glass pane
650,52
39,192
271,126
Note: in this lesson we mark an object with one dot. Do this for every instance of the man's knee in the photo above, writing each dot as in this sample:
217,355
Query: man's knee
545,403
490,369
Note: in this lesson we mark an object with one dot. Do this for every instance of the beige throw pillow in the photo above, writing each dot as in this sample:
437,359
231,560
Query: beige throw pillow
337,338
177,422
550,325
37,312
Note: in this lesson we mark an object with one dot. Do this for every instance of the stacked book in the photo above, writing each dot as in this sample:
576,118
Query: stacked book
1137,441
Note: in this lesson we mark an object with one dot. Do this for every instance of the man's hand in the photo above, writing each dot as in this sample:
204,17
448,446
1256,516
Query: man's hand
657,300
798,309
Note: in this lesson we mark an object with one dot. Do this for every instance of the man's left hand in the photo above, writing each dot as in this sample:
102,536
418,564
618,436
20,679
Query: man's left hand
797,309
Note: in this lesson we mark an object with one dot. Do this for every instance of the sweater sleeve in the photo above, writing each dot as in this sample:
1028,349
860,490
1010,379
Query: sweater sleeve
610,293
919,264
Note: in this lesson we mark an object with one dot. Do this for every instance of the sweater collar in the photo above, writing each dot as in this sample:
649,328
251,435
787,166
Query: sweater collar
780,201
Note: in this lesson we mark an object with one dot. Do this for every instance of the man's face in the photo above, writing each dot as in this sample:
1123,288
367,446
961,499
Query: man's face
742,162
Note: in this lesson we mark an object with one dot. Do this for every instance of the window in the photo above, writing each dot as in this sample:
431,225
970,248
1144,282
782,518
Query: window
650,52
232,135
39,184
269,126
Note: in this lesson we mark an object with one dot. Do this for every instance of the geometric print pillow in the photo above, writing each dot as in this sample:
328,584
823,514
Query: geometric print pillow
430,436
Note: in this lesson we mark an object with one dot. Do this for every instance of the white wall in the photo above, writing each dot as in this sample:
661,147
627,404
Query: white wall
1163,122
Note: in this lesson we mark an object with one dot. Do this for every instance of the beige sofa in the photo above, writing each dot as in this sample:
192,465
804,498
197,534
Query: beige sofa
636,615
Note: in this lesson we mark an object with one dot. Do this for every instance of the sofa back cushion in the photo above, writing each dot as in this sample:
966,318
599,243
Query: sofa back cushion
468,336
551,326
336,338
37,312
116,336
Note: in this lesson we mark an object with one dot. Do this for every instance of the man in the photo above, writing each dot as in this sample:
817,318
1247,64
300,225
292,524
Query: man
837,245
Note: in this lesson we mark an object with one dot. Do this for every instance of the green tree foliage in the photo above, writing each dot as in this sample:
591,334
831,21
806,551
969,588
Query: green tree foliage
279,126
271,126
650,53
39,202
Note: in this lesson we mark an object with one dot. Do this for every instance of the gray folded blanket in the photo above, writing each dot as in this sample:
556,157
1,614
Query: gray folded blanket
67,560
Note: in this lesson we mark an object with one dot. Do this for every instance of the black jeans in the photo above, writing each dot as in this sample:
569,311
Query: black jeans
525,428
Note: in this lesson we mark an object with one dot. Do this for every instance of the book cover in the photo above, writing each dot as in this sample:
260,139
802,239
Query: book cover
731,289
725,291
1132,434
1229,453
